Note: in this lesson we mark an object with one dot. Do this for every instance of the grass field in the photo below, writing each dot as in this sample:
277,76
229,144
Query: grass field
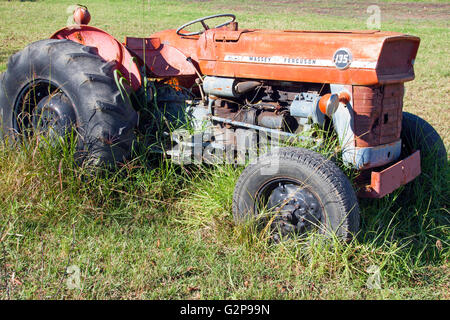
155,231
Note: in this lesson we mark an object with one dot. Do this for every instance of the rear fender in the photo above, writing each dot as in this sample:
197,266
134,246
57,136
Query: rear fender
108,48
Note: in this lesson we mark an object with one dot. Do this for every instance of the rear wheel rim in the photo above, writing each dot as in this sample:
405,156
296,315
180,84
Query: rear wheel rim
42,104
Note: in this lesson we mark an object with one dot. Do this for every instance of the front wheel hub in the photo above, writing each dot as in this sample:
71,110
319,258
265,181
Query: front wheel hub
296,209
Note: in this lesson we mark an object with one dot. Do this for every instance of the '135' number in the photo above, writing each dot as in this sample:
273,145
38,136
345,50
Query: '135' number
341,58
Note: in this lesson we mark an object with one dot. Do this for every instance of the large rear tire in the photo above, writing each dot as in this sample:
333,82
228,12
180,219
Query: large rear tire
305,191
418,134
74,86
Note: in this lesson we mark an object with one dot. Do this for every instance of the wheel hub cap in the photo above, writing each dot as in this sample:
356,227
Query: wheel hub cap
296,210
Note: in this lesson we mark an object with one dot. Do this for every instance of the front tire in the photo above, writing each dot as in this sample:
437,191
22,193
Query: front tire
75,87
304,192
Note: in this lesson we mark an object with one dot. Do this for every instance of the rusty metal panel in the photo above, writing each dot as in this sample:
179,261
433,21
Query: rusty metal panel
378,114
390,179
303,56
391,119
396,59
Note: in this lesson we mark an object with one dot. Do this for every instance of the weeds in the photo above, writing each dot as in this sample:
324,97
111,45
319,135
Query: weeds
155,230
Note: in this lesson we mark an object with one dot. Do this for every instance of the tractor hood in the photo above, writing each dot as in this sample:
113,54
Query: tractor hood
344,57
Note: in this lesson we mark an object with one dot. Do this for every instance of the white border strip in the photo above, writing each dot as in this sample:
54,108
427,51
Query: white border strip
297,61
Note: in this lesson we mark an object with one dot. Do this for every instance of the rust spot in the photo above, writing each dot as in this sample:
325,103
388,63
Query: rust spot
378,114
78,36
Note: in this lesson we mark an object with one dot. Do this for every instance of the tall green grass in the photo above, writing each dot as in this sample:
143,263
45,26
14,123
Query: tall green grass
151,229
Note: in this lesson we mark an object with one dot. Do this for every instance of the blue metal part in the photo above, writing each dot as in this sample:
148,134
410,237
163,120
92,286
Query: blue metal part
199,117
370,157
359,157
306,105
343,119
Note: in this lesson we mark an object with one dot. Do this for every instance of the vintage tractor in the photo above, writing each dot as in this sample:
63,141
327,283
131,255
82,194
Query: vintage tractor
232,94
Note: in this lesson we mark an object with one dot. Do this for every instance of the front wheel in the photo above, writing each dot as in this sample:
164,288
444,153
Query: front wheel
301,191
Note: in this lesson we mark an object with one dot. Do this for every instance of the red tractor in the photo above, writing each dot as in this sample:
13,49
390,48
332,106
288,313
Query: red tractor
229,93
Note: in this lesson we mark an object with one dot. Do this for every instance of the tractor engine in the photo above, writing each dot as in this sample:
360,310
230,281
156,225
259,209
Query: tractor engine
289,107
368,126
235,112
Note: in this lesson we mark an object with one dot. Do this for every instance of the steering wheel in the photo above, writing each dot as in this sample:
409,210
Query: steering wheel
205,26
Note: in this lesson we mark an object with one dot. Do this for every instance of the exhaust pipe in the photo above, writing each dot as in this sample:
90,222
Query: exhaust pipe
228,87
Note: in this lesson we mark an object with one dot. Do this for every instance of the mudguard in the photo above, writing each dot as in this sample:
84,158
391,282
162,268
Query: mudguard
108,48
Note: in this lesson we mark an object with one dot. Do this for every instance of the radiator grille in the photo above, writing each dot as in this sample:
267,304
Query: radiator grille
378,114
